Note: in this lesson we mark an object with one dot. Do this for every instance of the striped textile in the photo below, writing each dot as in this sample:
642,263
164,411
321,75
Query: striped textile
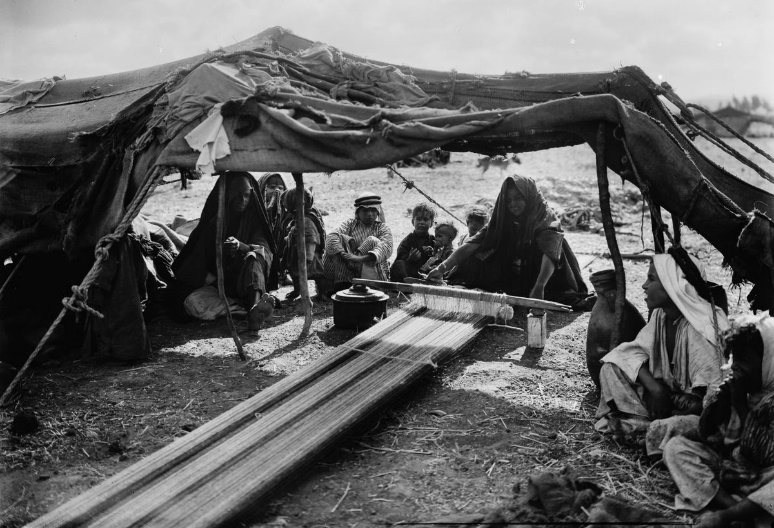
380,246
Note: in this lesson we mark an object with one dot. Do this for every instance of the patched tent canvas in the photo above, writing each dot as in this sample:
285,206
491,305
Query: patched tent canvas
77,157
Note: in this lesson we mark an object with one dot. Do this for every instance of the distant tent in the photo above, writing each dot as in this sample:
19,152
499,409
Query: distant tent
78,161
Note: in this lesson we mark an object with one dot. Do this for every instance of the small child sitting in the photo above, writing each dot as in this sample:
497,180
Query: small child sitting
417,247
476,219
445,232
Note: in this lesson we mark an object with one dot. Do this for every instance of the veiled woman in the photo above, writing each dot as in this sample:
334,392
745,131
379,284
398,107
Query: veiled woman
248,251
271,186
522,251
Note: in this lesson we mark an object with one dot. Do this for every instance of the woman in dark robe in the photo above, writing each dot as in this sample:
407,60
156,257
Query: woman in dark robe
248,251
522,251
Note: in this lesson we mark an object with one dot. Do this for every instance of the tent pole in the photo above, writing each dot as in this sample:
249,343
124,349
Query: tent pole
219,264
12,275
656,224
301,250
612,243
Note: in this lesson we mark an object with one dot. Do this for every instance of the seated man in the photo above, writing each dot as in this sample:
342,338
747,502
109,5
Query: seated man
668,368
360,247
732,450
248,250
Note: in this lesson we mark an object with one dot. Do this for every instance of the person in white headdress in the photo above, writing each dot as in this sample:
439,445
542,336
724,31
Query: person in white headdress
727,462
360,247
673,361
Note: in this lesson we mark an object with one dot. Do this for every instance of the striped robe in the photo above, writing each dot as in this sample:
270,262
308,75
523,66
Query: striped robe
375,239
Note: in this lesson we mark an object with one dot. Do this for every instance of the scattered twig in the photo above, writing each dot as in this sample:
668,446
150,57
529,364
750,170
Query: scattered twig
17,501
333,510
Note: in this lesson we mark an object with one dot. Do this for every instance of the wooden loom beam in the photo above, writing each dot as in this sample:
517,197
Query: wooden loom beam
463,293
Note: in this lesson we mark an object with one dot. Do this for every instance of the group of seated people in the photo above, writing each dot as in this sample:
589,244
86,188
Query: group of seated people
697,392
666,390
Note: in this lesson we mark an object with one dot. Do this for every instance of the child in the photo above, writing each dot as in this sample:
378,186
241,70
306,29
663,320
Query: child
445,232
417,247
477,218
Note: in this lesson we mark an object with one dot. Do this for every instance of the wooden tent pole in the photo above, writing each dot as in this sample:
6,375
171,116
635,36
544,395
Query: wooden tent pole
656,224
219,264
676,229
306,302
612,243
12,275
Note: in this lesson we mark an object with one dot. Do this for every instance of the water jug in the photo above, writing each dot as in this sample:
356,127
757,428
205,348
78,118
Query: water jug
602,320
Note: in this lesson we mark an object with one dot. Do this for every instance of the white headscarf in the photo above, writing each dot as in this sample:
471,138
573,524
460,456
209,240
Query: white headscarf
694,308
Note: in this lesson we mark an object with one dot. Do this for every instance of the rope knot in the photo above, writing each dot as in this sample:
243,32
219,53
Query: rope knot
409,185
77,302
103,245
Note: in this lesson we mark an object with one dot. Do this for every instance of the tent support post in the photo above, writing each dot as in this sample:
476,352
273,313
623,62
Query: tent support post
612,243
301,250
219,264
12,275
676,229
656,224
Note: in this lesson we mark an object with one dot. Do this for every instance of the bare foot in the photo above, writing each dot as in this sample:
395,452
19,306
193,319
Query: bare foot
260,311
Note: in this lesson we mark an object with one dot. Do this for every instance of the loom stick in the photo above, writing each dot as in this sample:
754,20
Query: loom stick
463,293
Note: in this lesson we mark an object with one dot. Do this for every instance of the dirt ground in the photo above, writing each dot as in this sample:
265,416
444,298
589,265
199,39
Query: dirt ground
457,443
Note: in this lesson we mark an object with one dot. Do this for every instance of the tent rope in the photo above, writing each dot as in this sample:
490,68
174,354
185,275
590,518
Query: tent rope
645,189
411,185
744,140
77,301
725,147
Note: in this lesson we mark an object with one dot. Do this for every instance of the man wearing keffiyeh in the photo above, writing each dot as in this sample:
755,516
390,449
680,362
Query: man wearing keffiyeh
360,247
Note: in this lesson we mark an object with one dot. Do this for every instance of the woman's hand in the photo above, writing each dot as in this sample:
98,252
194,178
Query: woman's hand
435,274
538,291
231,245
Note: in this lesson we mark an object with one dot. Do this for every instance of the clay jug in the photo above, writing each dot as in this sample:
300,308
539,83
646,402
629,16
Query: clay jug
602,320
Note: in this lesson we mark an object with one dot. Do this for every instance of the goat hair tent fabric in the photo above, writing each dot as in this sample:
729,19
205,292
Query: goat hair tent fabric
75,153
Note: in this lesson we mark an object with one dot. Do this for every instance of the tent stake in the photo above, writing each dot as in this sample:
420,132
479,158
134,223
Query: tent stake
219,264
301,250
612,243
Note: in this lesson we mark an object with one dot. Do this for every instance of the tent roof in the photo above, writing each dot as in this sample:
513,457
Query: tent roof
72,157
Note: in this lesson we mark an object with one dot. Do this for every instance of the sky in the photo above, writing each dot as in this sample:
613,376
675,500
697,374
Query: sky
703,48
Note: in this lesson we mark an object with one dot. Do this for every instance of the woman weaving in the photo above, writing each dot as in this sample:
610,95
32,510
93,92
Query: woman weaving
521,252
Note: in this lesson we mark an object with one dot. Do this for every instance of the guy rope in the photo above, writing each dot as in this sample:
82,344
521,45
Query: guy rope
232,465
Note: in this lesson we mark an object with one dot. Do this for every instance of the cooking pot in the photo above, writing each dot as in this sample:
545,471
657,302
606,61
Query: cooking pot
358,307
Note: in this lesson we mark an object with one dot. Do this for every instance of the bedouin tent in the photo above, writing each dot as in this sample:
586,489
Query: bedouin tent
79,157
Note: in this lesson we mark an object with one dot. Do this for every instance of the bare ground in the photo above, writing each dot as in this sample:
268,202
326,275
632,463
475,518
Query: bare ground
457,443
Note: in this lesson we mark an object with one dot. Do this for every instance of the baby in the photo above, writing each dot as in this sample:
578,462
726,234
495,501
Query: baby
445,233
477,218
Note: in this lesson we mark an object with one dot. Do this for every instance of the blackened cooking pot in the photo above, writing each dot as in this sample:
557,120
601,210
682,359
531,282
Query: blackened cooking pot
358,307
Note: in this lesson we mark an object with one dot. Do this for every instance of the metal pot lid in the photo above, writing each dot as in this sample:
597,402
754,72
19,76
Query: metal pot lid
360,293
